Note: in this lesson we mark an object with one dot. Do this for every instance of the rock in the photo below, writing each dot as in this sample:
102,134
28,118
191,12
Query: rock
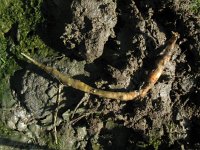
81,133
40,90
11,124
21,126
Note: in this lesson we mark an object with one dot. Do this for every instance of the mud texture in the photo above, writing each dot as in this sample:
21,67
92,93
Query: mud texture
119,42
40,99
92,24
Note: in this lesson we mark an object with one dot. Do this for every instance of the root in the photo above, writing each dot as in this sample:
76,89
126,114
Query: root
123,96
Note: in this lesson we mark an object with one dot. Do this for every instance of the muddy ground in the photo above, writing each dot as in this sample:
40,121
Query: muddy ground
112,45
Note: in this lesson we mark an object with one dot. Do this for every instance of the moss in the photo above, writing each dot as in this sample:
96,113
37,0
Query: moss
4,130
8,133
155,143
152,144
19,24
195,6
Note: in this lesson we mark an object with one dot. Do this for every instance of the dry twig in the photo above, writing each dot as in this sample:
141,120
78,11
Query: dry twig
56,113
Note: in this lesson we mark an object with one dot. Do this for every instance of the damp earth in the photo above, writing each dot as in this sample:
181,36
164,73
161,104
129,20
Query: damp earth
111,45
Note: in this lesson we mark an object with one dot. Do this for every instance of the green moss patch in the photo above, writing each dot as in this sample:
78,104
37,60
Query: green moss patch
19,23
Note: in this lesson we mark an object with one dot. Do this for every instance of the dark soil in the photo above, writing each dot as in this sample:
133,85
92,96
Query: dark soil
113,45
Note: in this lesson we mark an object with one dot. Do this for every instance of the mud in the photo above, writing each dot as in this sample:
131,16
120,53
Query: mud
119,42
92,24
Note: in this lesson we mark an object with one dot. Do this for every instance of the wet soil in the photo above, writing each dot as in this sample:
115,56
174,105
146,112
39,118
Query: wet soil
113,45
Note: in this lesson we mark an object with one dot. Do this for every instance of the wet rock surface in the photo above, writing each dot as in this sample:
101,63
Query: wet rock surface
168,117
